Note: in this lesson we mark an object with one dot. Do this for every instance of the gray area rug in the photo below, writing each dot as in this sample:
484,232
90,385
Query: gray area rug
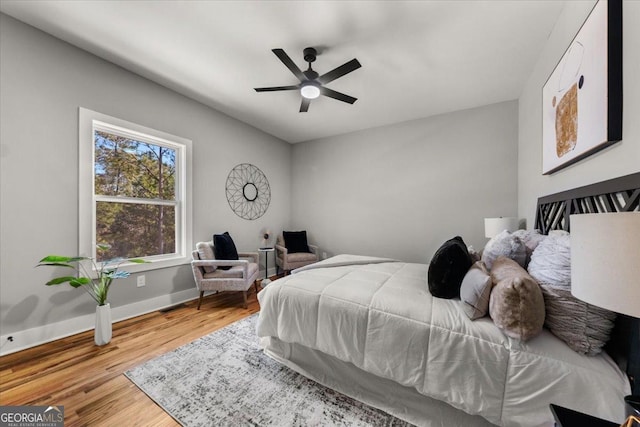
224,379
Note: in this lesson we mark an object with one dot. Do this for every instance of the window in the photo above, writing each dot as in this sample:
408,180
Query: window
133,192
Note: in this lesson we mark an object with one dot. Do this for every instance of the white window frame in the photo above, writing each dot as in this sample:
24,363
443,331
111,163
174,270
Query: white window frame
88,122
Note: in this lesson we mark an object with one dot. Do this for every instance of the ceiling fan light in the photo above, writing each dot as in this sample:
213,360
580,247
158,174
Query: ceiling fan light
310,91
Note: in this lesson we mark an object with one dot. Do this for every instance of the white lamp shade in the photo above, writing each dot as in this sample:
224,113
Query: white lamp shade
605,260
495,226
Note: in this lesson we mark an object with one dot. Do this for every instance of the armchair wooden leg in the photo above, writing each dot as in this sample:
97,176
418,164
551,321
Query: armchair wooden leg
244,297
200,300
256,286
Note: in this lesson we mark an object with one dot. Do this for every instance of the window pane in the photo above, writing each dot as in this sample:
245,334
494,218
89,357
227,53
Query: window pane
135,230
126,167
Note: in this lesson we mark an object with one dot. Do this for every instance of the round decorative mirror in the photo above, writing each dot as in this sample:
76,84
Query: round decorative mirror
248,191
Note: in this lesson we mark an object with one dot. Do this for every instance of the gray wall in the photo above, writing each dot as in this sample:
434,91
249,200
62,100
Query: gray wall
43,82
619,159
402,190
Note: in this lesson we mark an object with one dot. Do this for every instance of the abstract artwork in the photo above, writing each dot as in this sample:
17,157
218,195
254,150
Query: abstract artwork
248,191
582,98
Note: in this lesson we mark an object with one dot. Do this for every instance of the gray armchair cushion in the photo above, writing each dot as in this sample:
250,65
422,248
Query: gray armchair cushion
233,272
302,256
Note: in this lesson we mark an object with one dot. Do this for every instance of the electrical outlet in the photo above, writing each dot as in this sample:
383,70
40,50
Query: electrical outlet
324,255
141,281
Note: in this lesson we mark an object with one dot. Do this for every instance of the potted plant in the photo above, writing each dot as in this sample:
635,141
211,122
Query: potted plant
97,284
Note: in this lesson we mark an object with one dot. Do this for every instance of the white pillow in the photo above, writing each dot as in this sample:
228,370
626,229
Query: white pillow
504,244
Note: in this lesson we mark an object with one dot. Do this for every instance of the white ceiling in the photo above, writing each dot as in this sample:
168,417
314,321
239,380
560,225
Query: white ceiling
419,58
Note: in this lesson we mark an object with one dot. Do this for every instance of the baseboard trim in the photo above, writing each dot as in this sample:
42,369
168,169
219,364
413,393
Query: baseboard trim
22,340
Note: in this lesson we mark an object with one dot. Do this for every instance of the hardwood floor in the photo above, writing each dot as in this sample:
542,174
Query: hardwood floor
88,380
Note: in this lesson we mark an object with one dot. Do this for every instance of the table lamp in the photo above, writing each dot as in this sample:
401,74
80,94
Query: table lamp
495,226
605,271
265,234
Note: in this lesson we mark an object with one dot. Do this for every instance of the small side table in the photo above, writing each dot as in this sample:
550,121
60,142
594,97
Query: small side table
569,418
266,279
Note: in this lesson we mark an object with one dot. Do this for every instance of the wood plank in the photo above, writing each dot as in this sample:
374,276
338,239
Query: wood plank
89,381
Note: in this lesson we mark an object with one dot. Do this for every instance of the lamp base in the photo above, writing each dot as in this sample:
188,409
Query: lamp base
632,405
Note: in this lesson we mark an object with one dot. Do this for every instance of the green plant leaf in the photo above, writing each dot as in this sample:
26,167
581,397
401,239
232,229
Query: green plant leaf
138,261
56,258
59,280
79,281
57,264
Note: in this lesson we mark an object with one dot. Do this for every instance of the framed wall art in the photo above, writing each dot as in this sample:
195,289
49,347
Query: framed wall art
582,98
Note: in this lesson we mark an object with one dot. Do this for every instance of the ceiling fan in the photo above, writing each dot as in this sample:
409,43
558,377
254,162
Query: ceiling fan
311,84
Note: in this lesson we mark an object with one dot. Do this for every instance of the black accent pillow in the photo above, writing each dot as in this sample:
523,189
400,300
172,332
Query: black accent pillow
295,241
224,248
448,267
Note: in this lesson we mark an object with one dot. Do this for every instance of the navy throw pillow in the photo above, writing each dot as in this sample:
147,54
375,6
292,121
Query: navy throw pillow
224,248
448,267
295,241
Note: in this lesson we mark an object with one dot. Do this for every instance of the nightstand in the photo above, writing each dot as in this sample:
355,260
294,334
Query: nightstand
569,418
266,279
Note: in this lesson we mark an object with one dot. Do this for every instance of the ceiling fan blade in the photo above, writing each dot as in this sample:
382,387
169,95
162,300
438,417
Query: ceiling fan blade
337,95
275,88
340,71
280,53
304,107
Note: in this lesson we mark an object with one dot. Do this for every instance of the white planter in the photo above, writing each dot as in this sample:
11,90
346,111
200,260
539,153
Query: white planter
103,324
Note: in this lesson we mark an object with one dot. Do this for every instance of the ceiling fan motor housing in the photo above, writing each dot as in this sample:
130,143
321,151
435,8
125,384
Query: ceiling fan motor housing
309,54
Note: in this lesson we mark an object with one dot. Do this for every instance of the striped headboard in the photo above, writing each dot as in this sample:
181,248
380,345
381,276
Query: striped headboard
615,195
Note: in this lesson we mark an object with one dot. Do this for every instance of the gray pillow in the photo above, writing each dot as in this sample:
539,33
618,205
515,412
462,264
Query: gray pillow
531,239
475,291
584,327
205,251
504,244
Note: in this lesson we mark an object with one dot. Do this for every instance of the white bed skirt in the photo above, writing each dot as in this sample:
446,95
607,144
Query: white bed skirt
402,402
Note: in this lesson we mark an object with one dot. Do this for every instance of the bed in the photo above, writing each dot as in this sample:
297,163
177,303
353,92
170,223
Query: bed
369,328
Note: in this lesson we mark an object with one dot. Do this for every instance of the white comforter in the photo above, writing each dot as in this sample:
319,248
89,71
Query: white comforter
379,315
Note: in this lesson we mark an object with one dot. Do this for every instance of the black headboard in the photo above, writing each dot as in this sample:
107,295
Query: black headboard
615,195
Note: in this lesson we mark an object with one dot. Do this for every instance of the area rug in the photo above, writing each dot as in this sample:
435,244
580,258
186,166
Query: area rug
224,379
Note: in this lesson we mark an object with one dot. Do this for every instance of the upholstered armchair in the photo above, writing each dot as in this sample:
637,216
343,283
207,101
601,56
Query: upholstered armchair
210,275
291,258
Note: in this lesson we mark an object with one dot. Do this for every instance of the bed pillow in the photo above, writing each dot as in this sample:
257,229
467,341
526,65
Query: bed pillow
295,241
447,268
475,291
531,239
475,256
224,248
205,252
516,304
504,244
583,327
